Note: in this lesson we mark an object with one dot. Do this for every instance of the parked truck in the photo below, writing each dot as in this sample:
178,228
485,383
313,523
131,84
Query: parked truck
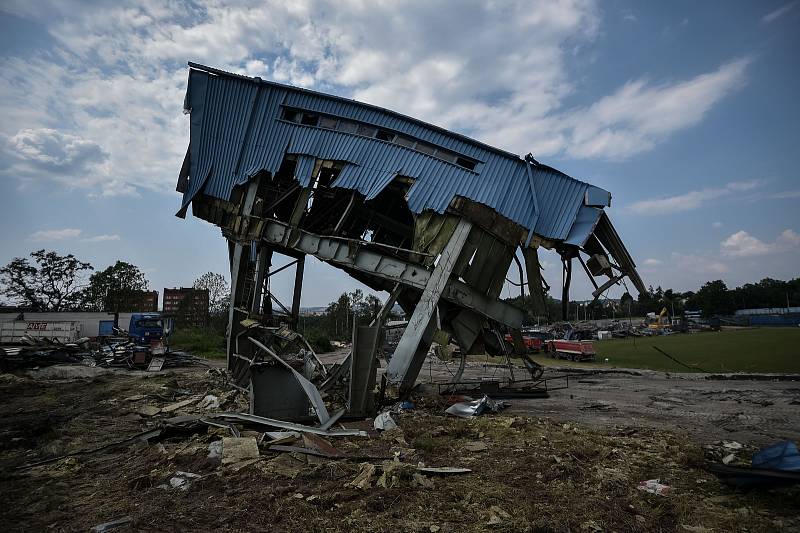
145,328
574,350
142,328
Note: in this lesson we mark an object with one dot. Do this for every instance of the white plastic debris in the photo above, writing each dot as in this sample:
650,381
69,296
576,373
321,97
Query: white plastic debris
181,480
215,450
209,402
384,421
654,486
475,407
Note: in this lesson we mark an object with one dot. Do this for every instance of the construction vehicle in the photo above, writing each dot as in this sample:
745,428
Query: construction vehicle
660,322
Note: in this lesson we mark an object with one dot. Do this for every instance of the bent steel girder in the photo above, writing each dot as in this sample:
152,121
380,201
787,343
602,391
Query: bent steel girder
364,258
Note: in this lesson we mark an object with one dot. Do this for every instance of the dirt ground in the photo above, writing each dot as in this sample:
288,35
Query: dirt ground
570,462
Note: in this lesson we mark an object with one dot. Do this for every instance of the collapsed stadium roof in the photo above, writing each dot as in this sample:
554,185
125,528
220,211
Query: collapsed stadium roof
388,199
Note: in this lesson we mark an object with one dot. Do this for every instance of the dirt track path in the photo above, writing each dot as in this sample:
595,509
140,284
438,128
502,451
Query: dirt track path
757,412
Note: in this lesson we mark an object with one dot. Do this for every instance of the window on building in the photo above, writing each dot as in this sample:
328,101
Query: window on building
385,135
347,127
366,131
327,122
446,155
425,148
292,115
466,163
404,141
309,119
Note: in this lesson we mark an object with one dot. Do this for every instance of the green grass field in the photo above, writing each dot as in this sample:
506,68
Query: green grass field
741,350
201,342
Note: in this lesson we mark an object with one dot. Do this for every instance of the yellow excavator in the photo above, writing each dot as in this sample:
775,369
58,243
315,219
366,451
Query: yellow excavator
659,322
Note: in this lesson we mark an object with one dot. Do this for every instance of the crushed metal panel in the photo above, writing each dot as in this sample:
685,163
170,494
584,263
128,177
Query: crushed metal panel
608,236
363,369
276,394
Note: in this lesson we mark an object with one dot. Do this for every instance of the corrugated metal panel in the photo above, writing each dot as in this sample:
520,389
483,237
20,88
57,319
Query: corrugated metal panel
608,236
597,197
584,225
305,165
236,131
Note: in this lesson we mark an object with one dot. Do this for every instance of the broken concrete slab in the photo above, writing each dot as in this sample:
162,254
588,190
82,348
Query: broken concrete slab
178,405
238,449
148,410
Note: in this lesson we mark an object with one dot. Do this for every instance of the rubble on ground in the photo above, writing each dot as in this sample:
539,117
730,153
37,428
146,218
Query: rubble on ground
193,466
114,352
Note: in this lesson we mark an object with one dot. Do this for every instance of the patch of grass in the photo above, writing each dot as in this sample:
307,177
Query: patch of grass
744,350
204,342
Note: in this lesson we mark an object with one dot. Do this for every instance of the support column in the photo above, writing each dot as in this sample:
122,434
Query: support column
240,258
298,289
409,355
534,273
263,262
565,288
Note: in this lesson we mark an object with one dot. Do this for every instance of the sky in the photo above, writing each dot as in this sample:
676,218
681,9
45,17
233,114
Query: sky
686,111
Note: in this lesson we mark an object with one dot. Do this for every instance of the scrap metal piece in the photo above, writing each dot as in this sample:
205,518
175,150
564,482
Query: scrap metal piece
333,419
114,524
475,407
254,419
363,369
443,470
310,390
156,364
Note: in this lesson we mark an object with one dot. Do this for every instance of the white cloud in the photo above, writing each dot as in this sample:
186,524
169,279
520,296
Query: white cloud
742,244
494,70
772,16
698,264
717,224
788,239
102,238
639,115
783,195
69,234
45,153
55,234
652,261
690,200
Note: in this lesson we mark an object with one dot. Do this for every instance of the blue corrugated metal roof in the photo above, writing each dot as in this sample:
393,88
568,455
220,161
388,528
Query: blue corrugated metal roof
584,225
237,131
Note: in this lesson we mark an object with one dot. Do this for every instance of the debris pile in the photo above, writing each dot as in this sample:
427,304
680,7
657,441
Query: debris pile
42,352
176,450
117,352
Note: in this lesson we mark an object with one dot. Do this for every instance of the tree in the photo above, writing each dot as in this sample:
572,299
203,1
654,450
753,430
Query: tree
219,293
714,299
373,306
117,288
54,283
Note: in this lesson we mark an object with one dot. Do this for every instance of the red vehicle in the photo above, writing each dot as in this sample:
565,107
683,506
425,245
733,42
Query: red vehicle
532,344
573,350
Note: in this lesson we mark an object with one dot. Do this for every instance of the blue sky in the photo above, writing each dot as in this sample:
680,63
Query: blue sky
686,111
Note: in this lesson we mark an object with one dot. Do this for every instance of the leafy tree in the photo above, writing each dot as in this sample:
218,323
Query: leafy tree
714,298
219,292
54,283
372,305
117,288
